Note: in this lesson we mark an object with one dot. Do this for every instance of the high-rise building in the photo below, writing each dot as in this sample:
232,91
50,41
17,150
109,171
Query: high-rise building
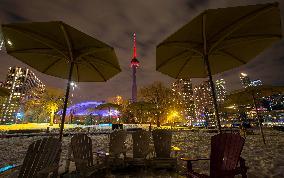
134,66
22,83
220,90
245,80
203,100
183,95
255,83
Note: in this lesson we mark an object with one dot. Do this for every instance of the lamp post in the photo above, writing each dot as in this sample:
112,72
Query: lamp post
73,86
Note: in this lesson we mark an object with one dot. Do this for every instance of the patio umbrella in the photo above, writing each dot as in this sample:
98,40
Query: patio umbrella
57,49
245,95
218,40
250,94
4,92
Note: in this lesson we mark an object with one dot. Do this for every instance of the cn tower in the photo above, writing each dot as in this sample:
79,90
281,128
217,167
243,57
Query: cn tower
134,66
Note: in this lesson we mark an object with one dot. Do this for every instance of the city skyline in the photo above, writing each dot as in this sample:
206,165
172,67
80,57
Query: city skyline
115,23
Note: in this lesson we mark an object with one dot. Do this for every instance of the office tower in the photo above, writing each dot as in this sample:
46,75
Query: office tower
204,108
220,90
245,80
23,84
183,95
255,83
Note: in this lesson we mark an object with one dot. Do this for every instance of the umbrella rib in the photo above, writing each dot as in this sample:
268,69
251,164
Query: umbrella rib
239,23
69,43
77,68
36,36
170,59
187,60
102,60
49,66
232,56
94,67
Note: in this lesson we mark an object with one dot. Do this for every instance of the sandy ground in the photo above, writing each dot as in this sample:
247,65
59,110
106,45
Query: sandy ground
263,160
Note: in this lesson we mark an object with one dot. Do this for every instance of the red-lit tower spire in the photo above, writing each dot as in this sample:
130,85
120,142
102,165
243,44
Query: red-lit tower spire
134,65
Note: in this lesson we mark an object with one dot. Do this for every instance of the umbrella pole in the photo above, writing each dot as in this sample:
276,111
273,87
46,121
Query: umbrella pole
257,115
66,101
213,93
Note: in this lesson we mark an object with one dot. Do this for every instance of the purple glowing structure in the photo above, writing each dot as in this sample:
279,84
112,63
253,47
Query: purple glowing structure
88,108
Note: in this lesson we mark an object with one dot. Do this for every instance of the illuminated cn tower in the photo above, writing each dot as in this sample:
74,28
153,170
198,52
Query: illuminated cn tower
134,65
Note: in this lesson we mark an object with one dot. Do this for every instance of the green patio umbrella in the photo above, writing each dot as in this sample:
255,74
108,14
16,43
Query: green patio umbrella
57,49
218,40
250,94
245,95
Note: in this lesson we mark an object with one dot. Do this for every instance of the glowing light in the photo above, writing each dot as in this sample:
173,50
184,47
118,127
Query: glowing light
9,42
73,84
7,168
87,108
134,61
134,45
1,44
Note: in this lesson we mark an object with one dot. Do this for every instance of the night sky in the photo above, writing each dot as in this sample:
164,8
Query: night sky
114,21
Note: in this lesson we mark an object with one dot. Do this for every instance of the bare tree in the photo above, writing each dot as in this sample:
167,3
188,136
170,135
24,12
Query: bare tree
159,95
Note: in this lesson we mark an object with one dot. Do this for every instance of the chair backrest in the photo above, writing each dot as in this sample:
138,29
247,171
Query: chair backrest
226,149
81,146
162,142
41,154
141,143
117,143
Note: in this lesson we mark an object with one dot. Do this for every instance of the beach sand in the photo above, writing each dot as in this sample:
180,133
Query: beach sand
263,160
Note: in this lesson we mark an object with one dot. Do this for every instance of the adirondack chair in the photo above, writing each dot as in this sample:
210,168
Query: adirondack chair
162,144
81,146
116,148
225,154
141,148
42,159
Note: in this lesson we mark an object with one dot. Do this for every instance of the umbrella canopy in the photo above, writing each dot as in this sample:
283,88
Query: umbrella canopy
245,96
218,40
250,94
57,49
4,92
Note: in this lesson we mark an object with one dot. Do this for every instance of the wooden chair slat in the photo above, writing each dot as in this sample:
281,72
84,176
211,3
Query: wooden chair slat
41,154
81,146
141,143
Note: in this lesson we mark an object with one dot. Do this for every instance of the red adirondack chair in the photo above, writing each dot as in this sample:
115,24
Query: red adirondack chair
226,149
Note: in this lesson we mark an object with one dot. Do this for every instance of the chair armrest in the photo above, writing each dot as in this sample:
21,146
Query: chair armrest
189,159
189,165
80,161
